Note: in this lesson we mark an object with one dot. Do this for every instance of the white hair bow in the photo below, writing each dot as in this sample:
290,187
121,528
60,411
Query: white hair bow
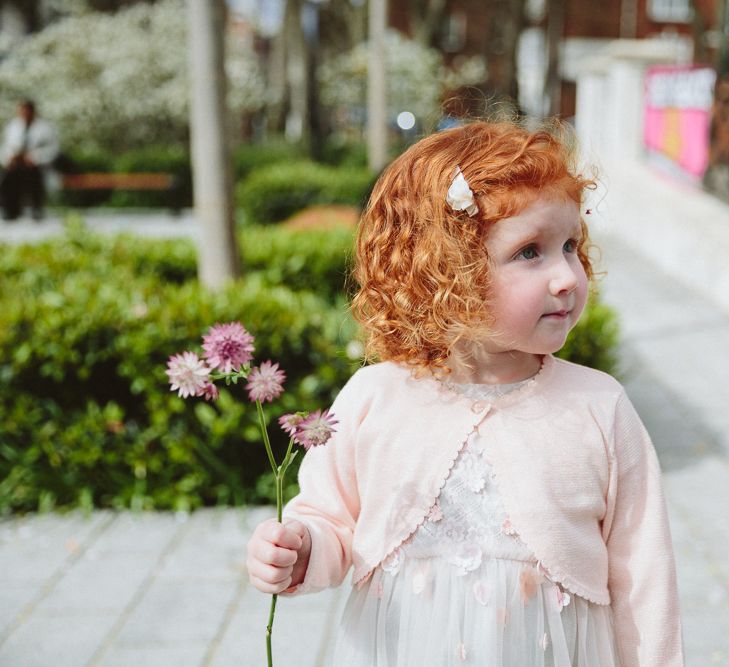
460,195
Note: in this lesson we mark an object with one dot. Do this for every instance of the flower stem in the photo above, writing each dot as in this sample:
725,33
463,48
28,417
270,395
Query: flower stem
287,459
266,441
269,630
278,473
279,495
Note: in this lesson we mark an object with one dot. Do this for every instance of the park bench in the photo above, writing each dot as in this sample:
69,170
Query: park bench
120,181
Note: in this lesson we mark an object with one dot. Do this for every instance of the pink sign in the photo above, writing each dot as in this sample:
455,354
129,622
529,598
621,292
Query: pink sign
678,101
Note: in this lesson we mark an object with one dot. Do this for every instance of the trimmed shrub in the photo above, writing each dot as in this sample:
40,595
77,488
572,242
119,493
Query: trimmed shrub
87,413
310,260
344,153
249,157
274,193
594,341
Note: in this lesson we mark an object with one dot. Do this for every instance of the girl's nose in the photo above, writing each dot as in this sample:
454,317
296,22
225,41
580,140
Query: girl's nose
564,279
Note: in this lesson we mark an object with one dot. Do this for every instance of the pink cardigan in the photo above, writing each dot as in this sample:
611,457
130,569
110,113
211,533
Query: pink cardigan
577,471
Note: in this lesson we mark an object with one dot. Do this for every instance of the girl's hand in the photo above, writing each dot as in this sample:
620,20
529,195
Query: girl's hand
278,555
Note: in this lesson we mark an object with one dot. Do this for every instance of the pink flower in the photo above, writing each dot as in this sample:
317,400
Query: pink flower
210,392
187,373
265,382
290,423
315,430
228,346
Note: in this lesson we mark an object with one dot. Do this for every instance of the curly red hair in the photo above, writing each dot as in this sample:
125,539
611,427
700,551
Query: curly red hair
422,268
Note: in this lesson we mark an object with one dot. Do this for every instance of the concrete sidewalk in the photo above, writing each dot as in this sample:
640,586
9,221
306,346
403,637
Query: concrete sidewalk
165,589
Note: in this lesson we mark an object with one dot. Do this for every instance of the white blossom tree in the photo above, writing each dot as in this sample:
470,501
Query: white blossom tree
116,81
417,78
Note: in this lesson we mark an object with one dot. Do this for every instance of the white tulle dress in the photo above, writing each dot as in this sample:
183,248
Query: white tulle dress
465,590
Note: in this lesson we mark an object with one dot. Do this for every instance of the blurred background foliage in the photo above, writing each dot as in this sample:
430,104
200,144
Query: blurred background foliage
118,81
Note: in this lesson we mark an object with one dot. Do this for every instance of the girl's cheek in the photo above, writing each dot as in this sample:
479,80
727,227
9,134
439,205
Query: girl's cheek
581,298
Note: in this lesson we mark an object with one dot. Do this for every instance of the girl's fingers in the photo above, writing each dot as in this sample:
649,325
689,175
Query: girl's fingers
280,535
272,555
273,551
268,574
271,589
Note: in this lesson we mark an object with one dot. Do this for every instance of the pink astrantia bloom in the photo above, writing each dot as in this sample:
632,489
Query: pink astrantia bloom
290,423
315,430
188,374
228,346
210,392
265,382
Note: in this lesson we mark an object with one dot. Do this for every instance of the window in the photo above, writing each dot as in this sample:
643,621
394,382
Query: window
670,11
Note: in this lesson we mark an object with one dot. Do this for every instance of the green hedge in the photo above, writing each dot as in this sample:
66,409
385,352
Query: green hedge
274,193
86,326
250,157
594,341
87,414
313,260
343,153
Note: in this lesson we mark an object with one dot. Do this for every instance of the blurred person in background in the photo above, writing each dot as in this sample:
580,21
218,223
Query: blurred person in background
29,148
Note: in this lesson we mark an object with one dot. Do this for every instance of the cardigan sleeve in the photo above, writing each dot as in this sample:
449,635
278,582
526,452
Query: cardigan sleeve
328,502
641,569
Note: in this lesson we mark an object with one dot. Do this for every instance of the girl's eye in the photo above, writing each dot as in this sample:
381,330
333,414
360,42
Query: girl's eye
530,252
570,246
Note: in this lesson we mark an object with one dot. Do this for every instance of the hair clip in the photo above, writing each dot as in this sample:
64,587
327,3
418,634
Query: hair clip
460,195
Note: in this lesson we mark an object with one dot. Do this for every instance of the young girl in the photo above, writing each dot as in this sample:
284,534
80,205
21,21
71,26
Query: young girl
499,506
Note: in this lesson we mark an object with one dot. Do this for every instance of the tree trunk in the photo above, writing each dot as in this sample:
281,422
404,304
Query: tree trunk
276,78
716,178
555,30
426,19
722,60
212,179
376,87
297,77
506,23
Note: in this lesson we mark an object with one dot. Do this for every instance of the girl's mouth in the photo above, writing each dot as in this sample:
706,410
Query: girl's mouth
557,315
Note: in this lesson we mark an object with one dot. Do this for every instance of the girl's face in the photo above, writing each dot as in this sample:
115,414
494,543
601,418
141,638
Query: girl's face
539,286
